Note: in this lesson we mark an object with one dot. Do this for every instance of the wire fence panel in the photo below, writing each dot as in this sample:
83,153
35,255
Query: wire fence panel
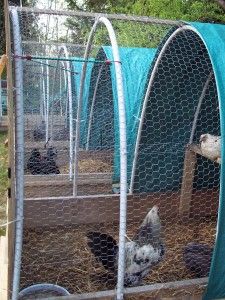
72,127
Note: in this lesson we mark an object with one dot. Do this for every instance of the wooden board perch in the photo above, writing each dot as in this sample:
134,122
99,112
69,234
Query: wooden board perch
190,160
187,183
196,149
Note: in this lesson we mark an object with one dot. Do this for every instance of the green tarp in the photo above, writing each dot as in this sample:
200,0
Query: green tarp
176,88
213,36
135,63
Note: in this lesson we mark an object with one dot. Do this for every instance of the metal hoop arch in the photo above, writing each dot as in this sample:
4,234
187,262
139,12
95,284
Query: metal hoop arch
123,142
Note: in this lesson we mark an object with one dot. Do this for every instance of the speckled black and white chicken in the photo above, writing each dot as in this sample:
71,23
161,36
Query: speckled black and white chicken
210,146
142,253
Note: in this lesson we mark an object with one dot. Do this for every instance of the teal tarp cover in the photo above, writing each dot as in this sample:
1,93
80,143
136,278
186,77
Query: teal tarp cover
161,167
176,87
213,36
135,63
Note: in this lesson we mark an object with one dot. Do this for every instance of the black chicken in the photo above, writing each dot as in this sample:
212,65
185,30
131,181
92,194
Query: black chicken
43,165
49,165
197,258
34,164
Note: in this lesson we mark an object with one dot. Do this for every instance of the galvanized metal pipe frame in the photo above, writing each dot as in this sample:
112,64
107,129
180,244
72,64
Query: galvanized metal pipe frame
123,142
98,15
19,151
63,50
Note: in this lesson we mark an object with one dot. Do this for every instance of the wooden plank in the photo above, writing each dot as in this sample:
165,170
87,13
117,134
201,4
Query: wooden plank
196,149
187,183
84,178
192,288
65,211
60,185
63,190
3,268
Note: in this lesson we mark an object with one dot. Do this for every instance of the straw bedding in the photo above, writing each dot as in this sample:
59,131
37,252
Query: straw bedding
60,255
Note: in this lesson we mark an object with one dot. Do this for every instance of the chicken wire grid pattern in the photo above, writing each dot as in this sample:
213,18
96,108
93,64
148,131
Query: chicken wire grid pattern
73,242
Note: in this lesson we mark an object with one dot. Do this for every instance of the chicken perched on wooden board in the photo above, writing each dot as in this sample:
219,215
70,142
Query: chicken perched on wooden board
142,253
210,146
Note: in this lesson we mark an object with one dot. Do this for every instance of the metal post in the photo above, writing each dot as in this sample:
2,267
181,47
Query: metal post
60,92
66,86
79,107
19,152
68,76
43,93
47,102
41,98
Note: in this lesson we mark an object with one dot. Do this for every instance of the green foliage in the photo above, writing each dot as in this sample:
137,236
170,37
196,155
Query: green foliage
189,10
140,34
2,21
3,178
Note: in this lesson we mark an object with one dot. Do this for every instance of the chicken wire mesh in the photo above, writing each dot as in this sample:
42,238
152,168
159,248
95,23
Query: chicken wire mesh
73,242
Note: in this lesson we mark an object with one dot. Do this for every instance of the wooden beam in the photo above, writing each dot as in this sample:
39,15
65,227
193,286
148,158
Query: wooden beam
196,149
192,288
3,63
187,183
60,185
83,178
79,210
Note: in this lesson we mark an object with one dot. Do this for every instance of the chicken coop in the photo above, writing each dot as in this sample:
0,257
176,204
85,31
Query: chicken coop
114,194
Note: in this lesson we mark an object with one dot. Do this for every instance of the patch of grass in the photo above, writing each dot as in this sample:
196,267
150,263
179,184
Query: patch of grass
3,180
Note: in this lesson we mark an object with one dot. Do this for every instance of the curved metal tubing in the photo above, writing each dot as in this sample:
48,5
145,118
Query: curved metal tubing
19,152
123,143
149,88
92,107
63,50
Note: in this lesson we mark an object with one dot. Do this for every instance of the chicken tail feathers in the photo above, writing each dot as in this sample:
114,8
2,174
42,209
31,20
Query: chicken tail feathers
104,248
